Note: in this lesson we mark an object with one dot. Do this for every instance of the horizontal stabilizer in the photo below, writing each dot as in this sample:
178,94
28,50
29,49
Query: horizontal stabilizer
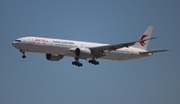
153,51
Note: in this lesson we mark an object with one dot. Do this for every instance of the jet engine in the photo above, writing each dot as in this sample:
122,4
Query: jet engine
54,57
83,52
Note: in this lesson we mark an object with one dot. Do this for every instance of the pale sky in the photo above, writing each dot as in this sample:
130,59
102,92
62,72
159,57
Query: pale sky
35,80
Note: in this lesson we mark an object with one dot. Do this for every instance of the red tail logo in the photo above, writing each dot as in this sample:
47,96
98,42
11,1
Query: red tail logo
142,38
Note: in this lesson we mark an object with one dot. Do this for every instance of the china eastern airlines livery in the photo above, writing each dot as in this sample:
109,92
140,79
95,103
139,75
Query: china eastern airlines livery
56,49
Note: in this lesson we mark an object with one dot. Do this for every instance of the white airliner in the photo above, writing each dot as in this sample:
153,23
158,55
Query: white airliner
56,49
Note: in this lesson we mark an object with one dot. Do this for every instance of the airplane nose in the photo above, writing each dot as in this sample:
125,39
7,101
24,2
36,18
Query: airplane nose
13,44
17,43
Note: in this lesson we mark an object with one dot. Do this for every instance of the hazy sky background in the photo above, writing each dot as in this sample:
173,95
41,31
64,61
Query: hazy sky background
35,80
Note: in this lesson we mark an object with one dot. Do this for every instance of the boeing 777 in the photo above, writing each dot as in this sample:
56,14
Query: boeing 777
56,49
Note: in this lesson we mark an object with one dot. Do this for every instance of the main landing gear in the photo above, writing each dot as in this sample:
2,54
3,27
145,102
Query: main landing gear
93,61
23,56
76,62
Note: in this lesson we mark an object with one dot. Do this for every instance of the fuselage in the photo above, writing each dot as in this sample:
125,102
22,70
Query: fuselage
62,47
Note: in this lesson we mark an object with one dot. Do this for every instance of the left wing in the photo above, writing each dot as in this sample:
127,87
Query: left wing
115,46
99,51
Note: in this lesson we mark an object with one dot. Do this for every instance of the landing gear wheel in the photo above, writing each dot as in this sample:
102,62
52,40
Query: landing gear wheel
77,63
73,63
93,61
80,64
24,56
96,63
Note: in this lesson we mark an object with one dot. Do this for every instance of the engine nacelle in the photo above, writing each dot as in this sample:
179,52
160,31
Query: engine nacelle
83,52
53,57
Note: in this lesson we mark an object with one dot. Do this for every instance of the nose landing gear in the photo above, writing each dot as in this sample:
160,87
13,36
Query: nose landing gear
23,56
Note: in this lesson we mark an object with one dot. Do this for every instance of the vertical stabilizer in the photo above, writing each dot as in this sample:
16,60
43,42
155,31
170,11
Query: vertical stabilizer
146,35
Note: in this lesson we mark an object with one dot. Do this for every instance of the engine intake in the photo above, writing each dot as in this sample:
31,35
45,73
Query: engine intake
53,57
83,52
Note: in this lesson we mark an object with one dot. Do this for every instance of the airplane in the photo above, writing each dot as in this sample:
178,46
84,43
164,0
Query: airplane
56,49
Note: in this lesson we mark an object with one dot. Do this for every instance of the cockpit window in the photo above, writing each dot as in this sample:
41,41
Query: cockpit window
18,40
